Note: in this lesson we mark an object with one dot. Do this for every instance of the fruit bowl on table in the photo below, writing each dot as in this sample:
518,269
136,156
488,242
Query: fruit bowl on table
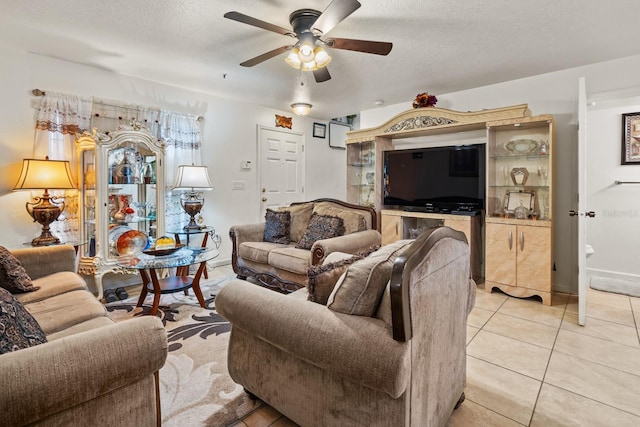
162,252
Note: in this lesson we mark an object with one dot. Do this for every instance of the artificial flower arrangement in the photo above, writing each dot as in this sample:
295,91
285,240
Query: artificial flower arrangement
424,100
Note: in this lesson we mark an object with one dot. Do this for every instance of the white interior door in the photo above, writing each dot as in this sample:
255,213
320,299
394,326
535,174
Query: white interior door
281,167
582,201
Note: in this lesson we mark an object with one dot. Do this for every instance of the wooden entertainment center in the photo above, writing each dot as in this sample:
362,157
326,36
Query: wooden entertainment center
511,239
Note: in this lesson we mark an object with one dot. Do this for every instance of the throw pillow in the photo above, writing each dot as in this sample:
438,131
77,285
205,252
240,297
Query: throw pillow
353,220
18,328
359,291
300,217
276,228
13,276
321,227
322,278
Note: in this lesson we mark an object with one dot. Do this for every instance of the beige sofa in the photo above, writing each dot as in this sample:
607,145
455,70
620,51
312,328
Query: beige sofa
283,266
91,371
403,366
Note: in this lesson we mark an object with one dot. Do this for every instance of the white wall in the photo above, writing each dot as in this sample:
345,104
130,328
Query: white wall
555,94
615,231
229,137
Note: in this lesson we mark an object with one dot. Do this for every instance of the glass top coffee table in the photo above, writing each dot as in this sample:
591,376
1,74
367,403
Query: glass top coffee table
183,257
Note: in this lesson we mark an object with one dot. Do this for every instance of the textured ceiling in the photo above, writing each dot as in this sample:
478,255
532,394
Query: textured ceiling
438,45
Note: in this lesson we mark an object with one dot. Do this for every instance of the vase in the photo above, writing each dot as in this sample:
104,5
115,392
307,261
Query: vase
123,201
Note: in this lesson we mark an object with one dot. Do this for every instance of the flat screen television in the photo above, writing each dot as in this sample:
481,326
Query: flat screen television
436,179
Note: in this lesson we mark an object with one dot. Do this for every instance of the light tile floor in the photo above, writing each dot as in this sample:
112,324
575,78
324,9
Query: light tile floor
533,365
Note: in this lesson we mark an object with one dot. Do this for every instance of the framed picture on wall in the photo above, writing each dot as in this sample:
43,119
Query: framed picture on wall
631,139
319,130
338,135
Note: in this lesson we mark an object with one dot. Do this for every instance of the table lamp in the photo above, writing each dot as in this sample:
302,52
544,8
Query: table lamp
192,178
45,175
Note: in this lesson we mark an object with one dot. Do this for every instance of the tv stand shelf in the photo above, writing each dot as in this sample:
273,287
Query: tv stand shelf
399,224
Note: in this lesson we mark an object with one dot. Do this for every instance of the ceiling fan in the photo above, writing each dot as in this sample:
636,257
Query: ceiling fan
309,27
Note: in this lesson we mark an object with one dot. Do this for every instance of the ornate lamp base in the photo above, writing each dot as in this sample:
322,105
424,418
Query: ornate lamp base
45,240
192,205
45,213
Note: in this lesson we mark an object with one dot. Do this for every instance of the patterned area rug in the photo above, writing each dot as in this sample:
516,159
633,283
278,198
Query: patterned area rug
195,387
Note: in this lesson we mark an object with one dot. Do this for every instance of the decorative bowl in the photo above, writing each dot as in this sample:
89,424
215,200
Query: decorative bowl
115,231
131,242
522,146
162,252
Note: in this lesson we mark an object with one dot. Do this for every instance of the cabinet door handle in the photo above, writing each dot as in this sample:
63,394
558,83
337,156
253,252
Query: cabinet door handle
396,228
510,239
521,241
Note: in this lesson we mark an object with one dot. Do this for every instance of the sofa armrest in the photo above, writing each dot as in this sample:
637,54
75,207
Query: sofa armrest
349,243
244,233
356,347
247,233
45,260
51,377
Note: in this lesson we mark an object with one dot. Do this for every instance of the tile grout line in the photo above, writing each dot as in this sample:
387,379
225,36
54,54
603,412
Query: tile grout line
494,411
546,369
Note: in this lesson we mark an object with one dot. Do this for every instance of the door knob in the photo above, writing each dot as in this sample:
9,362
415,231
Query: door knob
264,199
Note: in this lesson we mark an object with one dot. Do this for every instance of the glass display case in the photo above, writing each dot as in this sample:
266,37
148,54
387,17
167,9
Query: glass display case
519,168
122,196
361,174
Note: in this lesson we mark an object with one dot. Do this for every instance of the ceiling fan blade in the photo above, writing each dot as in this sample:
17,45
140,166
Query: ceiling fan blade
261,58
245,19
321,75
367,46
334,13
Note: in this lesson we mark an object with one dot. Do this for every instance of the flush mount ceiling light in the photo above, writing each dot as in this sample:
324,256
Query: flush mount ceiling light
301,108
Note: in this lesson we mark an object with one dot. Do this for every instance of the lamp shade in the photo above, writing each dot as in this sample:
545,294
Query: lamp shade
321,57
45,174
190,177
293,59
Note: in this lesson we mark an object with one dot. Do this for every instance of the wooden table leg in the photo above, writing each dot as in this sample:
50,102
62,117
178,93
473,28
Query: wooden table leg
195,285
204,245
143,292
181,271
156,291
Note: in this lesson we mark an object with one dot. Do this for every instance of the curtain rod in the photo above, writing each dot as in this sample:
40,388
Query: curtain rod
38,92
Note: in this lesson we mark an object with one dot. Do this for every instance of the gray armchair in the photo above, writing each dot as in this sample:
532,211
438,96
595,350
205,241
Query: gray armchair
405,366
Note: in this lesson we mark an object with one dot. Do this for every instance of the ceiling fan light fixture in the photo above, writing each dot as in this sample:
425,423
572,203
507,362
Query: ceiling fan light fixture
305,52
301,108
322,58
309,66
293,59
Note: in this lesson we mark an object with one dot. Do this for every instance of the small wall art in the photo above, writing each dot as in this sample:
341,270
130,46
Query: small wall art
283,122
631,139
319,130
